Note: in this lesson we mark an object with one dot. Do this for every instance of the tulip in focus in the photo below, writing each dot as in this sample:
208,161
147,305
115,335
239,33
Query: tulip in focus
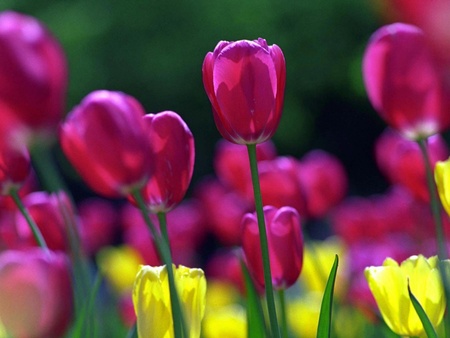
285,243
403,82
33,73
245,81
151,299
389,286
172,154
105,139
36,293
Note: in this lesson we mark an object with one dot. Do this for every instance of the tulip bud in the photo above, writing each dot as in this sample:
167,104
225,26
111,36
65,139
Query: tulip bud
245,81
172,147
106,141
389,286
285,243
403,82
33,72
36,293
151,299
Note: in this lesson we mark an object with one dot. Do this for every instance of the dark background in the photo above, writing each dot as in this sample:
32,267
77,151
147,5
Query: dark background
153,50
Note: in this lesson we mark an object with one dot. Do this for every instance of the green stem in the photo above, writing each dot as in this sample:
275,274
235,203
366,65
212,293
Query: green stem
45,167
164,251
263,241
33,226
282,301
163,226
434,200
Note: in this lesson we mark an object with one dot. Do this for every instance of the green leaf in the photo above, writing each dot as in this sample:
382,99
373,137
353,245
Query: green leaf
255,317
324,326
429,329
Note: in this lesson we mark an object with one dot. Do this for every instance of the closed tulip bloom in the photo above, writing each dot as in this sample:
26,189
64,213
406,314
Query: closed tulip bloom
442,179
245,82
389,286
33,72
173,154
403,82
105,139
151,299
285,242
36,293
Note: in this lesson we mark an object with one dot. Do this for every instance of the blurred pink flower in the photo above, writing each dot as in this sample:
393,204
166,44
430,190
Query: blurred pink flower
33,72
36,293
105,139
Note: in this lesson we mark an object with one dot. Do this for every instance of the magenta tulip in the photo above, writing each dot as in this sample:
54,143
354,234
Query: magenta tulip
403,82
105,139
36,293
285,241
33,72
14,165
245,81
401,160
172,161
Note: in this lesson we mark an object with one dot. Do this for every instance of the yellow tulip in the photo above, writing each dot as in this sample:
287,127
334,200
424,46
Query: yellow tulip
119,265
151,299
389,286
442,178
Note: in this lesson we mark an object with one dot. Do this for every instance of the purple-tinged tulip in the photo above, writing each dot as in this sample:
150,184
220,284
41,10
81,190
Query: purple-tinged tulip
285,242
33,72
403,81
36,293
245,81
106,140
172,161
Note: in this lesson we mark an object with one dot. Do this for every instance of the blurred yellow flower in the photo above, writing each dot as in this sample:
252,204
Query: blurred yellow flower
442,178
318,259
229,321
151,299
303,314
389,286
119,265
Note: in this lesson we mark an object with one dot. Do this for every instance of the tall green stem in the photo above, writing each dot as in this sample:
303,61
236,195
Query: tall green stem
434,200
282,301
162,219
164,251
33,226
263,241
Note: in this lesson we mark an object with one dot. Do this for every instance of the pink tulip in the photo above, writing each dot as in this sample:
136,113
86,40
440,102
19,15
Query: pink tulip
48,211
232,165
172,161
105,139
285,242
323,180
33,72
36,293
403,81
401,160
245,81
14,165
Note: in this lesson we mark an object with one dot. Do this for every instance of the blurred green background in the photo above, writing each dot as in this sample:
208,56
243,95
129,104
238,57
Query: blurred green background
153,50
